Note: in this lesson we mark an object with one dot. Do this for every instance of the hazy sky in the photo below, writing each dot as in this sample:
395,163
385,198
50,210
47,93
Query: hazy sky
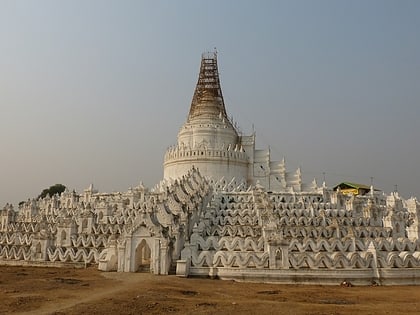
95,91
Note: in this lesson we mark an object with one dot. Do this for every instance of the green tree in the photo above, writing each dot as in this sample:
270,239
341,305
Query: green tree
52,190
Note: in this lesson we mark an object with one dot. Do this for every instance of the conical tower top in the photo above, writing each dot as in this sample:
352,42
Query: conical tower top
208,101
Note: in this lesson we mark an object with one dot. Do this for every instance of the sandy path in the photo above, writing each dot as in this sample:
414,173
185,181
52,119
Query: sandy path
122,282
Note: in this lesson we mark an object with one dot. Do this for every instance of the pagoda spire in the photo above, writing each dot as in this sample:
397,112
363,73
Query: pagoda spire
208,101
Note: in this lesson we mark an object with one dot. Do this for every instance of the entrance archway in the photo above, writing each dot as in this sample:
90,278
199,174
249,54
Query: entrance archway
142,257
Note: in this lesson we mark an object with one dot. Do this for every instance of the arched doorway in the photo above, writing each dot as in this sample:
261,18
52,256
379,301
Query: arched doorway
142,257
63,236
38,251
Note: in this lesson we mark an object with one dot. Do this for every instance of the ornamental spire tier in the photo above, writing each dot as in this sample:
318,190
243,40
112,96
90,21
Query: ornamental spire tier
208,98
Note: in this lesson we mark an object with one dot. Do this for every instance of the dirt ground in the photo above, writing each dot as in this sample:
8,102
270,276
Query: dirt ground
30,290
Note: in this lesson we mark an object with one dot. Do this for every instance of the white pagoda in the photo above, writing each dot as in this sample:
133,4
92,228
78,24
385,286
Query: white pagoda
223,210
210,142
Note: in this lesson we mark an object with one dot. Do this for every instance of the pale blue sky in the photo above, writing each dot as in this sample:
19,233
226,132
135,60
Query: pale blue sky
95,91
